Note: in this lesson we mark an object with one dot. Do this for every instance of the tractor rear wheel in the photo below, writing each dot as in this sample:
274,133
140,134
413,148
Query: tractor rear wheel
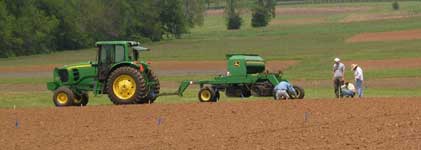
81,100
63,96
154,89
299,92
126,85
207,94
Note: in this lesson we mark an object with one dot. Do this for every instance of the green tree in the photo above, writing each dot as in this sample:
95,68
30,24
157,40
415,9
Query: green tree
31,28
194,12
172,18
5,31
69,34
262,12
232,12
41,26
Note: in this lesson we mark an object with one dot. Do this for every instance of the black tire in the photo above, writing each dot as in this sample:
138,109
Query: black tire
81,100
246,93
139,90
299,92
155,89
63,96
217,96
207,94
235,91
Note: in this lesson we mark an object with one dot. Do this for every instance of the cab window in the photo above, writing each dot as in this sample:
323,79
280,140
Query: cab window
119,53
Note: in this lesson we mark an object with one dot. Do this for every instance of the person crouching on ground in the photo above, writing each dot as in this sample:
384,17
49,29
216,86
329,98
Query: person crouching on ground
359,78
282,90
338,76
348,90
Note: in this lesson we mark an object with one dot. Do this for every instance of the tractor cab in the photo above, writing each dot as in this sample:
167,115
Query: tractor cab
135,51
111,53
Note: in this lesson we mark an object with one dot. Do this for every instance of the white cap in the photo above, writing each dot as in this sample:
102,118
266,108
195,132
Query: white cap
337,60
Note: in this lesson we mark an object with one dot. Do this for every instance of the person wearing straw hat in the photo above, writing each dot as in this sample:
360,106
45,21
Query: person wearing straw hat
338,76
359,78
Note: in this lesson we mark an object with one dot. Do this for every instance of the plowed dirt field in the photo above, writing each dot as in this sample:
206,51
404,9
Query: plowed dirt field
378,123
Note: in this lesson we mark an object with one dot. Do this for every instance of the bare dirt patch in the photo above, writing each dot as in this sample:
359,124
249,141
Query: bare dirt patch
403,63
376,123
370,82
301,10
22,87
207,67
214,12
29,68
372,17
386,36
318,10
161,67
299,21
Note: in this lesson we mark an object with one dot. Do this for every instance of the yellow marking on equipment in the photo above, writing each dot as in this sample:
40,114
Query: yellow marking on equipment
79,66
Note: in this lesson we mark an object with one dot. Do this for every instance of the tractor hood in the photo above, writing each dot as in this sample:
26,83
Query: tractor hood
78,65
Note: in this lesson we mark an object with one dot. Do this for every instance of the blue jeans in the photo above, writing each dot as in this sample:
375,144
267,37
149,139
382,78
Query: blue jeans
281,94
359,87
349,93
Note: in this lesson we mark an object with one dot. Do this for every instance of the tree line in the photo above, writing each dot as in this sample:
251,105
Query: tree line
41,26
262,13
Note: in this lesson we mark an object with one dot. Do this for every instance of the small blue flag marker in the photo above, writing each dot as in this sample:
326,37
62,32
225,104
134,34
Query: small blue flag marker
159,121
16,121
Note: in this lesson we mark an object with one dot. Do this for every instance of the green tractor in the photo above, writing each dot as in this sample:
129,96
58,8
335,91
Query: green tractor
246,76
117,72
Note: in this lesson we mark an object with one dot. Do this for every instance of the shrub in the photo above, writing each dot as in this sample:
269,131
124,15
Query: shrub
234,20
263,12
395,5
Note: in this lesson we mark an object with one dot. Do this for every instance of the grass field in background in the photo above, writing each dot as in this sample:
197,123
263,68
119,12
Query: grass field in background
313,45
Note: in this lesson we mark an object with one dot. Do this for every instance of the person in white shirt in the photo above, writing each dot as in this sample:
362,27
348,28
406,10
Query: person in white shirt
348,90
359,78
338,76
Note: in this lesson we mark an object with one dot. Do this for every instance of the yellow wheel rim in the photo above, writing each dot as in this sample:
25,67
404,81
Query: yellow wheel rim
62,98
205,95
124,87
77,101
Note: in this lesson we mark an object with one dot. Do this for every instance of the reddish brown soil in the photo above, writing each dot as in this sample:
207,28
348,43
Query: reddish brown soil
386,36
29,68
22,87
266,124
318,10
301,10
212,65
370,82
403,63
299,21
371,17
160,65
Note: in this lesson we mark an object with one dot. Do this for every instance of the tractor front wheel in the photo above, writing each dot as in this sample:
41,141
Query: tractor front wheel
299,92
63,96
207,94
81,100
126,85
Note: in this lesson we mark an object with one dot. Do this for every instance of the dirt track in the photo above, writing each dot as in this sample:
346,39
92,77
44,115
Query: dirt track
266,124
386,36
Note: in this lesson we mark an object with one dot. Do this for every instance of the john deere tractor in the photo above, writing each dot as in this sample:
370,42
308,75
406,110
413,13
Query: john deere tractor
246,76
117,72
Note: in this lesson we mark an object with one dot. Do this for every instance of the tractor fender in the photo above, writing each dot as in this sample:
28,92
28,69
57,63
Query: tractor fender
140,66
